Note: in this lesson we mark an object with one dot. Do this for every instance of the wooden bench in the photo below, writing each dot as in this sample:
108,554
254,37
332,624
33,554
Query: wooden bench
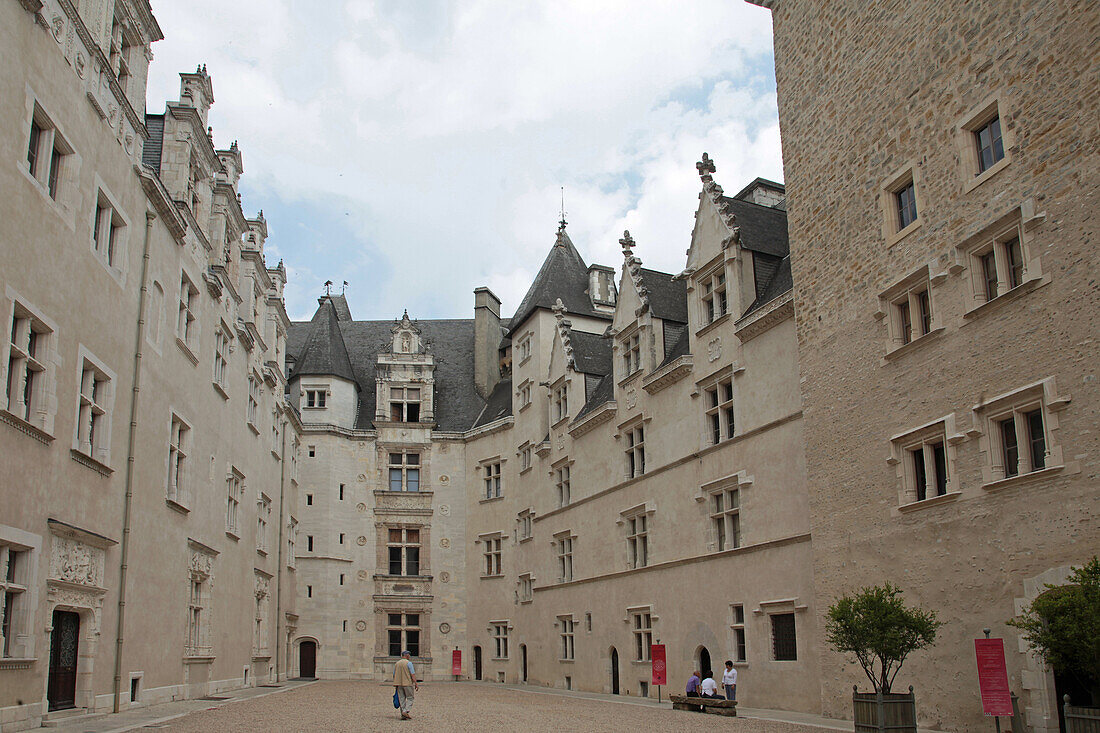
704,705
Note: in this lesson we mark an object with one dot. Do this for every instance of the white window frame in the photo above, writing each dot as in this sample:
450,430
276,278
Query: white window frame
263,518
177,484
714,294
23,359
498,631
563,551
493,555
95,406
526,457
234,492
635,449
719,405
1042,396
315,397
406,468
492,477
563,482
524,394
187,329
523,347
567,627
641,627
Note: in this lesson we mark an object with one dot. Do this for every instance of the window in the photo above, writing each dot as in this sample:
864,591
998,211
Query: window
493,556
643,634
405,404
92,416
13,585
632,354
526,525
253,398
526,588
27,383
714,296
905,199
263,516
561,481
524,395
403,550
784,647
309,543
315,398
720,423
912,311
179,443
560,403
221,357
500,636
567,626
340,580
927,466
635,451
525,452
340,539
564,548
492,480
107,232
523,348
47,152
998,265
1023,444
291,541
726,518
404,471
403,633
311,451
276,434
738,627
340,493
990,146
186,330
234,490
637,540
195,611
309,499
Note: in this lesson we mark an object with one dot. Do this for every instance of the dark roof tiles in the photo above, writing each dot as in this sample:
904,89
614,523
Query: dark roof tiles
563,275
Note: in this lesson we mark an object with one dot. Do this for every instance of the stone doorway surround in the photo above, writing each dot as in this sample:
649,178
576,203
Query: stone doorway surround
1036,678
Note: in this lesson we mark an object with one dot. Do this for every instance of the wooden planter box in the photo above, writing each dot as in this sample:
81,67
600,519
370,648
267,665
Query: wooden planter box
876,712
1081,719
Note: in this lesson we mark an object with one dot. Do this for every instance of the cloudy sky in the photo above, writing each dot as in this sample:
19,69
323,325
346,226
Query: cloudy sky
417,148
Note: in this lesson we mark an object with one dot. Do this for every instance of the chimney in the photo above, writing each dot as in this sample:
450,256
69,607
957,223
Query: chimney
486,341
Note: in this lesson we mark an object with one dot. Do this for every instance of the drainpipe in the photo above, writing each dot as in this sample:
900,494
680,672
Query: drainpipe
279,568
125,545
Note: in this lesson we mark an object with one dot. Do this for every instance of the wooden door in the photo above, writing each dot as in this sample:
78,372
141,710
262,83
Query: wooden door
307,659
64,641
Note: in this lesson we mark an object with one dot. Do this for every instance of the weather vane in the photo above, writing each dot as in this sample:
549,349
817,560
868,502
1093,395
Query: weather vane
344,288
562,222
328,287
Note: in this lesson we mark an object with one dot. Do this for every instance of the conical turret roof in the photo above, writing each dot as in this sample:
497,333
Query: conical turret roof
324,351
563,275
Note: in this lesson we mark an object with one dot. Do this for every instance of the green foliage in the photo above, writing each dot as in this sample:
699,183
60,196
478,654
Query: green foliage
1063,624
877,627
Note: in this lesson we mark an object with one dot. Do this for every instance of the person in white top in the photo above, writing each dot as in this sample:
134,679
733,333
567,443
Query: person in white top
729,681
708,686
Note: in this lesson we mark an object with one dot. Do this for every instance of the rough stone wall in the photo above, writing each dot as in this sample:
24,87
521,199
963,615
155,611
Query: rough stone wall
864,93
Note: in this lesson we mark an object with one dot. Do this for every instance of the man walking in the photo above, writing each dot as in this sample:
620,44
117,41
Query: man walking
404,680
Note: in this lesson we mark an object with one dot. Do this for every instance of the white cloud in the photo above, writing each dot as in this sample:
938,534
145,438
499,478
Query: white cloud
439,134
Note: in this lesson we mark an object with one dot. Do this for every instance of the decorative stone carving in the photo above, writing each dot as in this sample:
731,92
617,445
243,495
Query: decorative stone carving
361,541
80,64
444,577
361,478
75,562
631,398
363,575
262,586
444,628
444,480
58,25
361,507
714,349
360,625
445,509
444,543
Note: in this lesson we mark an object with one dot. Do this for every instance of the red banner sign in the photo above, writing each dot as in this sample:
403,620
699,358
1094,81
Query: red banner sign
993,676
456,661
660,671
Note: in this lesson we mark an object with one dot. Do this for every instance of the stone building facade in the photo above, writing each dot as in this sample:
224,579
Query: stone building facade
617,464
145,445
945,282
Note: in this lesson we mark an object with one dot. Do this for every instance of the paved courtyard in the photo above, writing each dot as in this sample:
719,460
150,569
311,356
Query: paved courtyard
367,706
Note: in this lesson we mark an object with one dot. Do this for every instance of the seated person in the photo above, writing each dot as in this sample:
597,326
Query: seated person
693,684
709,687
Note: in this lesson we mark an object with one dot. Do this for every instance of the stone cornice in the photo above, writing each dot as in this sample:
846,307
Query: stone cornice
669,374
769,315
597,417
161,200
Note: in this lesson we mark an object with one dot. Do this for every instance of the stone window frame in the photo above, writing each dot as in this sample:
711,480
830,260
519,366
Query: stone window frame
261,621
490,472
559,401
634,448
1017,224
43,411
405,627
492,553
904,296
422,544
55,179
291,541
526,591
235,491
704,388
773,629
421,466
1042,395
95,441
524,347
523,394
255,392
966,128
628,520
921,437
177,490
567,632
526,453
562,473
318,392
500,632
404,401
263,520
739,635
187,320
641,620
19,651
199,604
564,544
223,347
109,232
739,481
629,343
892,230
526,521
717,279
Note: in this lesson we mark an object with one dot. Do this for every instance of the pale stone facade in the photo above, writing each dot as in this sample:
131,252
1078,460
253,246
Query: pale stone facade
143,430
948,343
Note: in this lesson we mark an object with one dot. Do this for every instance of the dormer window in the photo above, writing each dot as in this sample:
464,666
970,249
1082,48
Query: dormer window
632,354
715,304
560,403
315,397
405,404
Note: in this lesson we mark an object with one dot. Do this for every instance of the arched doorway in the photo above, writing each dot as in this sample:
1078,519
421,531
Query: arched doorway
702,660
477,662
614,671
523,661
307,659
64,642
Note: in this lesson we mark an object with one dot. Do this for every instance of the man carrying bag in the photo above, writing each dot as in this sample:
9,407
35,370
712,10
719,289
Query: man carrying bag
404,682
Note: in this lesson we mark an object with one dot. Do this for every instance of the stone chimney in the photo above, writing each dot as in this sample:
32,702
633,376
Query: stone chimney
486,341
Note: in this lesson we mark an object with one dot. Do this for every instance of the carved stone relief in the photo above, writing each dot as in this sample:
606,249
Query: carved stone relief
444,543
75,562
444,577
445,510
361,625
361,541
714,349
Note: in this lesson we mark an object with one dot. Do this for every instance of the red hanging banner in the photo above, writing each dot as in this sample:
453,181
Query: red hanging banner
993,676
660,671
456,661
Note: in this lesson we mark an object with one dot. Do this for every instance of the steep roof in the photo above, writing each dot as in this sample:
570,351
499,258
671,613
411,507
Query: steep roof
763,228
323,351
498,405
667,297
154,144
563,275
340,303
602,393
780,283
591,353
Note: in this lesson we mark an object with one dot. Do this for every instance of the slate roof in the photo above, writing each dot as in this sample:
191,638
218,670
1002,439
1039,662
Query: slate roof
563,275
602,393
763,228
667,297
340,303
591,352
498,405
760,183
324,351
780,283
154,144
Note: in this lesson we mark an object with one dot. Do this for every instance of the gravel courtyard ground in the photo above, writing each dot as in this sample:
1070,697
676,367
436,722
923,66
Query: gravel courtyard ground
367,706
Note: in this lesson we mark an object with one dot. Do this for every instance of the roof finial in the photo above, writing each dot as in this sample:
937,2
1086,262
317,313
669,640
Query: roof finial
561,222
559,309
627,243
344,289
328,288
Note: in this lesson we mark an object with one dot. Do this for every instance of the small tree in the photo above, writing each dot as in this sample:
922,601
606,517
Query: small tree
1063,626
877,627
